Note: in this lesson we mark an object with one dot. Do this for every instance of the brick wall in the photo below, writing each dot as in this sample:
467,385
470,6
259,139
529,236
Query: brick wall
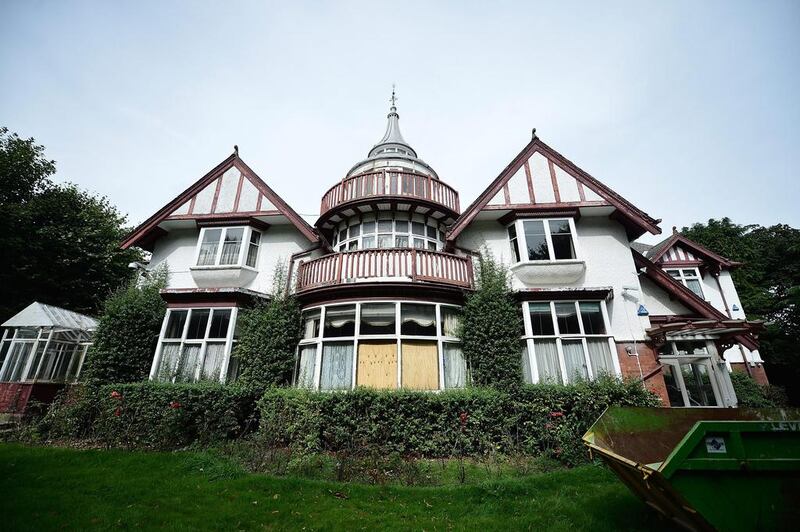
14,397
647,359
757,372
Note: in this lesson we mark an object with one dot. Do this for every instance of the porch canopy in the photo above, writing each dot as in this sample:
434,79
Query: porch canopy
44,343
724,332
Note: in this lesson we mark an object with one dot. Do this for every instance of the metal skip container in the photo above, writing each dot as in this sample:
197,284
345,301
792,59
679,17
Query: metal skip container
707,468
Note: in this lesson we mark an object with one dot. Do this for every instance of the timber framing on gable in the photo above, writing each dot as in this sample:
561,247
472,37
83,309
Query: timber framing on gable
562,186
689,299
663,254
261,201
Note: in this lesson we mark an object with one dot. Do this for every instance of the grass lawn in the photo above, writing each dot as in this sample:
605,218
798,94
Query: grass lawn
44,488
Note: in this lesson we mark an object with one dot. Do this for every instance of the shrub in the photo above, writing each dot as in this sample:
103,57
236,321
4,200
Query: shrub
532,419
168,416
754,395
127,334
268,337
152,415
491,328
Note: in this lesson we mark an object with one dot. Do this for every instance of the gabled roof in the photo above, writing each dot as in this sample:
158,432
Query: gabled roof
40,315
655,273
678,248
540,177
230,190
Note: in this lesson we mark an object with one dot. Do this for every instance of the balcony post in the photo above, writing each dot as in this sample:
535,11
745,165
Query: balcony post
413,264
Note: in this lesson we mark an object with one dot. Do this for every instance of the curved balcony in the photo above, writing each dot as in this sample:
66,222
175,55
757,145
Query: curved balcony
391,185
393,264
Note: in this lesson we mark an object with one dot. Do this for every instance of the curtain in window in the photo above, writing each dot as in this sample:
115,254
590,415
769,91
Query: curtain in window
418,319
547,363
212,365
305,368
208,249
451,318
378,318
574,360
169,360
526,364
455,367
337,367
600,356
188,363
340,321
231,246
694,286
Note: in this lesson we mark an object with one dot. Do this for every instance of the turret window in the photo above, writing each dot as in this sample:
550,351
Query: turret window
390,230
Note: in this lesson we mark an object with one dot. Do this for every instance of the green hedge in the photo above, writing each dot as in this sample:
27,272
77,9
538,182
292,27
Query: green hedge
153,415
533,419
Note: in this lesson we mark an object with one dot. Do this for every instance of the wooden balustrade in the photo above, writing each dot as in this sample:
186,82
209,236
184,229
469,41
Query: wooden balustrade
388,183
412,265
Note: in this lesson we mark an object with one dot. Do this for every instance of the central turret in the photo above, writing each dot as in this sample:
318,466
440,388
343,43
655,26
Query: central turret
391,199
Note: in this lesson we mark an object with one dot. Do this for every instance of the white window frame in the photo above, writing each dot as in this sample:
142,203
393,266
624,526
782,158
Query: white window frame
684,279
439,339
53,347
529,338
522,244
409,217
675,359
229,341
243,250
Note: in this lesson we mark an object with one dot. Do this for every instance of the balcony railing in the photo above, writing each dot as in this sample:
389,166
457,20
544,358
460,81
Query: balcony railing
394,264
387,183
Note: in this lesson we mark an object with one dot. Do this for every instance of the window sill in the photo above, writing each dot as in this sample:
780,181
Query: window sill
549,271
233,276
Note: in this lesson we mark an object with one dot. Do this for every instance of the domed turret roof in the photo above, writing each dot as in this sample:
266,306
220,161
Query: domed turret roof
392,151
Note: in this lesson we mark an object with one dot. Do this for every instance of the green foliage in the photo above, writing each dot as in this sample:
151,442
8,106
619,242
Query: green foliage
64,241
768,284
127,334
754,395
268,336
491,328
544,419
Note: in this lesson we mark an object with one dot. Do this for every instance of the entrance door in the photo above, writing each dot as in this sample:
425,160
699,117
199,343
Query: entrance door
377,365
691,381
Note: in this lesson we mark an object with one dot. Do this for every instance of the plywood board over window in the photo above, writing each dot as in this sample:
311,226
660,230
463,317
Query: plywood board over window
420,365
377,365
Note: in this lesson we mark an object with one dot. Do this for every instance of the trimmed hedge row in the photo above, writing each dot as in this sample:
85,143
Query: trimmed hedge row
533,419
153,415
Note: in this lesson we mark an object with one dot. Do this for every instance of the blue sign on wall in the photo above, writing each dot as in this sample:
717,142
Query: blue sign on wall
642,311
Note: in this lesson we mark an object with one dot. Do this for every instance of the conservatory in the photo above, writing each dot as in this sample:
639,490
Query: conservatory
42,349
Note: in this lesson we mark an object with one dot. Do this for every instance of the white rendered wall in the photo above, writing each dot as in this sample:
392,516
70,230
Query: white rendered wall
603,245
179,248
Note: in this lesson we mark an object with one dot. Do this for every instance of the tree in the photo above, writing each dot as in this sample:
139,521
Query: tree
268,336
127,334
769,287
491,328
61,243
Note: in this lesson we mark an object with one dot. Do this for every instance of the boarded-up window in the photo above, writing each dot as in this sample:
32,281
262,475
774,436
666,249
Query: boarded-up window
420,365
377,365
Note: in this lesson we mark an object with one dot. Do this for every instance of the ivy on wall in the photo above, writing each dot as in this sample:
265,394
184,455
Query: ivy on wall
491,327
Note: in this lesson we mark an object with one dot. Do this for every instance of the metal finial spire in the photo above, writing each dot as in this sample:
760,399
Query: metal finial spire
393,99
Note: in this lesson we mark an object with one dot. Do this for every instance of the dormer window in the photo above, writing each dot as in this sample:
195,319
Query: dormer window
225,246
690,278
542,240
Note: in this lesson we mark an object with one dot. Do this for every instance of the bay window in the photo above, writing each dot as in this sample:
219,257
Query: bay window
389,230
228,246
565,341
196,344
542,239
381,344
688,277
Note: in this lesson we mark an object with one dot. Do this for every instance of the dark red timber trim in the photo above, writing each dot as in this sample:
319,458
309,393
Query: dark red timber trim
140,234
216,195
655,273
678,238
554,180
529,178
581,192
506,194
238,192
638,218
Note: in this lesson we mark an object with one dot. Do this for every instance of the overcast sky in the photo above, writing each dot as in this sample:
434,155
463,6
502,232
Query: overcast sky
690,110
